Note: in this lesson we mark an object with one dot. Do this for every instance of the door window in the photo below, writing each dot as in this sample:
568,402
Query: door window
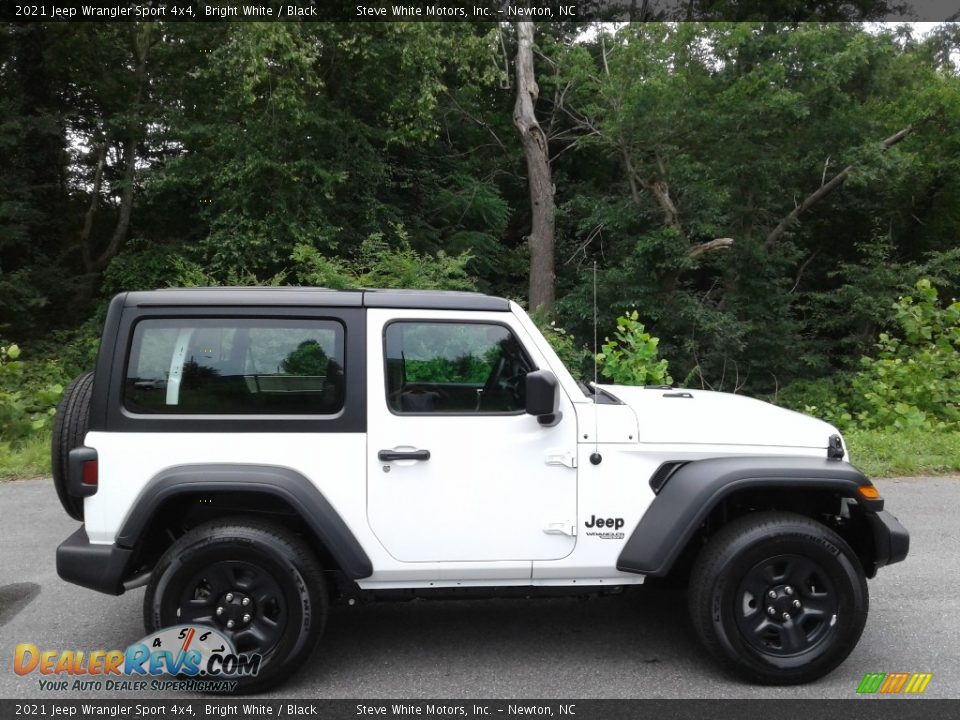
457,368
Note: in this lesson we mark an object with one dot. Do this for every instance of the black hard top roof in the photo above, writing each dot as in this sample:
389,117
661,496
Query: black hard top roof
315,297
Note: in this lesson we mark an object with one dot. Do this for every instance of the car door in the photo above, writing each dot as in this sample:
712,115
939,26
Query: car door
457,471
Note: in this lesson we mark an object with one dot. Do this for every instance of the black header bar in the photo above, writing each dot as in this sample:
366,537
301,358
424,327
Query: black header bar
217,708
573,11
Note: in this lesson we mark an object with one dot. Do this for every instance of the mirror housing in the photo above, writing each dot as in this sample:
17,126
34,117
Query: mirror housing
543,397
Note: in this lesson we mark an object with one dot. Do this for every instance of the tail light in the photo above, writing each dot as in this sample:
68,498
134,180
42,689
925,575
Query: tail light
90,473
84,472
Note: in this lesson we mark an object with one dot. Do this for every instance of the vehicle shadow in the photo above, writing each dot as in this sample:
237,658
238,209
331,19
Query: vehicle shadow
504,647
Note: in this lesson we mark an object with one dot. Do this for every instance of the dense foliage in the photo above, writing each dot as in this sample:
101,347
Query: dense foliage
29,393
759,194
911,382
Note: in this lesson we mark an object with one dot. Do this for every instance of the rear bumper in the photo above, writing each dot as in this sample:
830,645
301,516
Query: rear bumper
98,567
891,541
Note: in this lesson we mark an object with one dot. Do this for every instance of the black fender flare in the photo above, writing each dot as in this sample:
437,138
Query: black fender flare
284,483
693,490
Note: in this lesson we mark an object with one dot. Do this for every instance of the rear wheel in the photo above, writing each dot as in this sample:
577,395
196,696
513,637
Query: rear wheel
779,597
69,428
256,583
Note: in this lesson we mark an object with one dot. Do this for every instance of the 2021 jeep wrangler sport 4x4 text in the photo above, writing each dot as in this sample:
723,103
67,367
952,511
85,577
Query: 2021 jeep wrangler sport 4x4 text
251,455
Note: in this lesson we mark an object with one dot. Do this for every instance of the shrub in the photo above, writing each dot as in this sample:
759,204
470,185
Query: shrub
631,357
914,381
143,266
29,393
382,264
574,356
825,398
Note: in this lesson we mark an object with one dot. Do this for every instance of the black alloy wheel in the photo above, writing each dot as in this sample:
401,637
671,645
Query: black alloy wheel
787,605
241,600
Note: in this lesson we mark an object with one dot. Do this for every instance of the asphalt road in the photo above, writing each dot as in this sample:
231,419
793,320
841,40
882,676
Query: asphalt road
630,646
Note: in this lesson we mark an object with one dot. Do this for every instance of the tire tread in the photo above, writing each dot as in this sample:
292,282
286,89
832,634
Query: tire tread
707,567
71,421
295,549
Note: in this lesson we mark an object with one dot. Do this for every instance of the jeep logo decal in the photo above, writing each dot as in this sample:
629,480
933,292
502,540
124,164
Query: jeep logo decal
594,521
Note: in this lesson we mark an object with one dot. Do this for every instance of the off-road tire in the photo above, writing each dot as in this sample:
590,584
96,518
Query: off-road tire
745,571
69,428
243,545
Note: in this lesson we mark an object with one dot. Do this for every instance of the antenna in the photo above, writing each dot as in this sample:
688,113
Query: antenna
594,331
595,457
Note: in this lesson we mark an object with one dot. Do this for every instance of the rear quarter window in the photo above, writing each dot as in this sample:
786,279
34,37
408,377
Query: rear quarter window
256,366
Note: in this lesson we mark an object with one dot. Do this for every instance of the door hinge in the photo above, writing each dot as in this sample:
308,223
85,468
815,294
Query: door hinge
562,457
561,528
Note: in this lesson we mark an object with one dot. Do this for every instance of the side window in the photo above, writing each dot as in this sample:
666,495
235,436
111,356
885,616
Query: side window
461,368
236,367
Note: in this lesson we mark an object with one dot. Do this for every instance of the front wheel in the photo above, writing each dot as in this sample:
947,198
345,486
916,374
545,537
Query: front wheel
256,583
779,597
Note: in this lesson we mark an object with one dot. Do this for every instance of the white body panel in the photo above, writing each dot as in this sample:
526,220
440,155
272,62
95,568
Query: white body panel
477,513
720,419
334,462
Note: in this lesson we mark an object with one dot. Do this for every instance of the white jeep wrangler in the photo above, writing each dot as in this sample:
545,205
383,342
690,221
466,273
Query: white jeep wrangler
252,455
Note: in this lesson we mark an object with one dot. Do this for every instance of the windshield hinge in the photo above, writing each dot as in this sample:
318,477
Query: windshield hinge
835,449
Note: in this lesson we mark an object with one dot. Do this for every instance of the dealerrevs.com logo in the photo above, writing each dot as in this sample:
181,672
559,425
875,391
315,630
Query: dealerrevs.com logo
894,683
201,657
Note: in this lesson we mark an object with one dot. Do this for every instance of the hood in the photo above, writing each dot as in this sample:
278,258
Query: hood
716,418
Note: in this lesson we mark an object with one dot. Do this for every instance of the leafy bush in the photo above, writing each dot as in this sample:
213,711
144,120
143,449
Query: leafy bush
574,356
914,381
148,267
29,393
76,350
826,398
381,265
631,358
142,266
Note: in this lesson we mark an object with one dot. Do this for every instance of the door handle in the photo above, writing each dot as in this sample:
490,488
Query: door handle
388,455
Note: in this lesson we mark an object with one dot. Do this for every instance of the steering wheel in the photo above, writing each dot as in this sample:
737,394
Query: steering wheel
498,382
493,380
512,384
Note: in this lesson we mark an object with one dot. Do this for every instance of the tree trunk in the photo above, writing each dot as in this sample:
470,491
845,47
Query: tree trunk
141,42
126,206
101,149
539,176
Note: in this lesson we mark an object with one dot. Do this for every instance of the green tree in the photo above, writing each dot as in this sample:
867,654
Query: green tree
724,171
307,359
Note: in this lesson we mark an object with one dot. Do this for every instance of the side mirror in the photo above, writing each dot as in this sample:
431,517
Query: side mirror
543,397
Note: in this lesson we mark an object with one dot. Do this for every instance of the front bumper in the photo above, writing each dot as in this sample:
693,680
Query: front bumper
891,541
98,567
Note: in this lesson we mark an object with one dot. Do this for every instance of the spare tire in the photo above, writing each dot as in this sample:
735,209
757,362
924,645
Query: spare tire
69,428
